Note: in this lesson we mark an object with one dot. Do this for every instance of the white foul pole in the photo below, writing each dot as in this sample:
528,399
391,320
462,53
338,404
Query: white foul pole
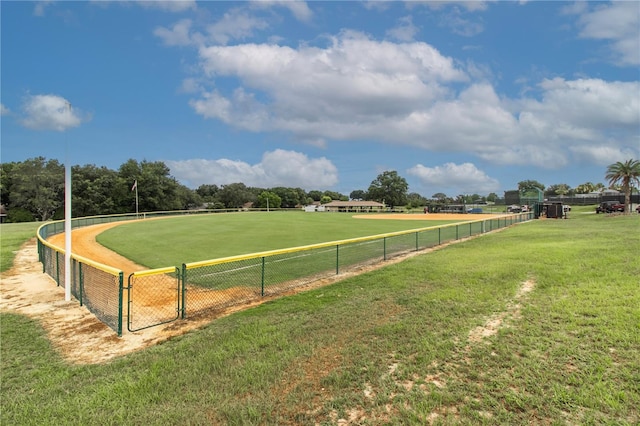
67,223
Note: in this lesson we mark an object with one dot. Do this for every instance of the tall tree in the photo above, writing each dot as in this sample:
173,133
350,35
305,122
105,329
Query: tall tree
268,199
358,195
208,192
585,188
440,196
390,188
157,189
624,174
525,185
37,185
235,195
561,189
315,195
91,192
416,200
290,197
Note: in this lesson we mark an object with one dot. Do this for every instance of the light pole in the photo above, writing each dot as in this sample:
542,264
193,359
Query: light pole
67,221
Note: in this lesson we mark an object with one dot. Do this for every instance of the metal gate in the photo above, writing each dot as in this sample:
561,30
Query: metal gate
153,298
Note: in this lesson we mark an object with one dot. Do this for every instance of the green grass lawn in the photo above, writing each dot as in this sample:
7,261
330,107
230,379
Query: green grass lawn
386,347
176,240
12,236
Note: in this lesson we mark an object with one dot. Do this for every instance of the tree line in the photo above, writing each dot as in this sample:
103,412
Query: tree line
34,190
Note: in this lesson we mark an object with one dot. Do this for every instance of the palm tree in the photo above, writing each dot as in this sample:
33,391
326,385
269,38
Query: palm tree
624,174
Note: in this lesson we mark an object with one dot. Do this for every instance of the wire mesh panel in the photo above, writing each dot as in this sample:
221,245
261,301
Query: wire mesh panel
428,238
99,291
399,244
216,286
50,263
289,270
360,253
448,233
153,298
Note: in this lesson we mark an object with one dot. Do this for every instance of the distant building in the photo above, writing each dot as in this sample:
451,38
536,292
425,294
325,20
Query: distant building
354,206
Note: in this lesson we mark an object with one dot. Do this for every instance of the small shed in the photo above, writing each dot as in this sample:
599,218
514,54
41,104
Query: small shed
554,210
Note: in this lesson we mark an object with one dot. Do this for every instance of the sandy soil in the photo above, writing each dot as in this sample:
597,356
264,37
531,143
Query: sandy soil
78,335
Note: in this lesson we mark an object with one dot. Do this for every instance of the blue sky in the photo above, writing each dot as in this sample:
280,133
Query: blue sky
457,97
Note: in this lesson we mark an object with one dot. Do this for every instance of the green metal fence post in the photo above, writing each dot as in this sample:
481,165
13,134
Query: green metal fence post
120,296
81,282
262,279
337,259
417,245
57,268
439,236
457,232
384,248
183,287
470,229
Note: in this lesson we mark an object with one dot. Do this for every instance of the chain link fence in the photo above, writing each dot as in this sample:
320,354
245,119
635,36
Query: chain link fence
96,286
163,295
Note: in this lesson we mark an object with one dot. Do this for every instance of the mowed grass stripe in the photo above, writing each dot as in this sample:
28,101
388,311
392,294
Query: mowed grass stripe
173,241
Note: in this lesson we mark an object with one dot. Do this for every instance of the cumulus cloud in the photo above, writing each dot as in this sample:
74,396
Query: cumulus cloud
454,178
405,30
299,9
50,112
616,22
277,168
357,88
236,24
606,154
178,35
169,5
341,90
4,110
351,87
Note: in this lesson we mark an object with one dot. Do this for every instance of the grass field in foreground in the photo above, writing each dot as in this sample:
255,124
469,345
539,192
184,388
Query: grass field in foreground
387,347
183,239
12,236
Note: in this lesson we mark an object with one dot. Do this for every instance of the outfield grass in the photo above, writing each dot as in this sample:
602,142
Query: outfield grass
183,239
12,236
387,347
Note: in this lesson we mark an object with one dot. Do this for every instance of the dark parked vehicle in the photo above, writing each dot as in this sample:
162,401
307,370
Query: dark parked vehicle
610,207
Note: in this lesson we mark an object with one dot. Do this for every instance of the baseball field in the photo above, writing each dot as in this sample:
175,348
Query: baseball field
158,243
536,324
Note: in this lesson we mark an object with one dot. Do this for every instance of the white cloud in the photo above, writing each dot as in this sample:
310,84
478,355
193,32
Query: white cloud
619,23
405,31
462,26
50,112
454,178
299,9
178,35
340,90
604,155
40,7
277,168
236,24
469,5
4,110
169,5
358,88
